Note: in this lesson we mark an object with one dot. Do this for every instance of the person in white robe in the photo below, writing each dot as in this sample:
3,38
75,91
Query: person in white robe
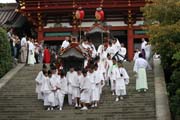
112,75
46,88
92,49
65,43
140,67
122,52
75,88
80,75
31,58
122,79
109,63
71,80
110,49
147,51
60,86
96,92
85,87
116,45
143,45
136,54
39,82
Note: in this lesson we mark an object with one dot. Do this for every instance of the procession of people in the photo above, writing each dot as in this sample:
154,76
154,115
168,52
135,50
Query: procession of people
84,86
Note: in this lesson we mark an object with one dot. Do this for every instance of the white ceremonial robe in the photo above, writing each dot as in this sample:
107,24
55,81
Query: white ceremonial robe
61,85
85,86
110,51
112,73
143,45
97,88
65,44
147,51
122,52
121,81
108,65
31,58
54,81
75,86
46,88
140,67
71,76
39,82
136,55
116,47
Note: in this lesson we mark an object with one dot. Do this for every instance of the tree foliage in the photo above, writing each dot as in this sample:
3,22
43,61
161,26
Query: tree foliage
5,53
163,19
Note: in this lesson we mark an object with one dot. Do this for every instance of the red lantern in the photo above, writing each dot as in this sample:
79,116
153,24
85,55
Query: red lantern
80,14
99,14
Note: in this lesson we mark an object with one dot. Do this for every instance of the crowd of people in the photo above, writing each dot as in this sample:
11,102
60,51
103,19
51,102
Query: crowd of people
83,86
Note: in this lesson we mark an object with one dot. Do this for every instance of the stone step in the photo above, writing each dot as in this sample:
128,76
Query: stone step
18,101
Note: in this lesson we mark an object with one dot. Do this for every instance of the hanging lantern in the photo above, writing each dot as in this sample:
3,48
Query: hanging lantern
80,14
99,14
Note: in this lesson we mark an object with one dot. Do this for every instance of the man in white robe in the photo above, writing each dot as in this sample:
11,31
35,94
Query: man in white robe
65,43
140,67
23,50
136,54
122,79
116,45
85,86
112,75
143,45
71,80
147,51
31,58
122,52
39,82
60,86
46,88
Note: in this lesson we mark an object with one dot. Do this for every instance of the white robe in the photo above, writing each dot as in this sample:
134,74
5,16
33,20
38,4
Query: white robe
121,81
39,82
112,73
31,58
75,86
140,67
136,55
122,52
107,67
85,86
65,44
143,45
61,85
116,47
97,90
147,51
46,88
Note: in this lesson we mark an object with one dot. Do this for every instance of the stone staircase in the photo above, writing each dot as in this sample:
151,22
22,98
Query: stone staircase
18,101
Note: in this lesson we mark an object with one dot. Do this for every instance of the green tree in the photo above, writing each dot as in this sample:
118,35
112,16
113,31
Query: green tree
5,53
163,19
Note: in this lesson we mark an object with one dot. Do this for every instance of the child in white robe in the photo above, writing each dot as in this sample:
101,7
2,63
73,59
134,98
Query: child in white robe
80,75
112,75
61,89
121,81
71,78
98,88
85,87
47,91
75,88
39,82
109,63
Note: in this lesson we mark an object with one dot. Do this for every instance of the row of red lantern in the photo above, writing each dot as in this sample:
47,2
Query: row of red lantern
99,14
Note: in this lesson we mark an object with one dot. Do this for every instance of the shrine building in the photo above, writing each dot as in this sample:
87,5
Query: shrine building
53,20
